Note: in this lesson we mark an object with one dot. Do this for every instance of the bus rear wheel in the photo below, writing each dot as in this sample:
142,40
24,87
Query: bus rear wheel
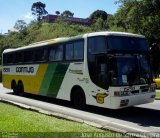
78,98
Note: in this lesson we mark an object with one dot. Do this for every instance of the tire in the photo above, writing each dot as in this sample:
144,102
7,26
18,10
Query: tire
20,89
78,98
14,88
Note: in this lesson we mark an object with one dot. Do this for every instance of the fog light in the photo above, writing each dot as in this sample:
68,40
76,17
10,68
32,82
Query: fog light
124,102
117,93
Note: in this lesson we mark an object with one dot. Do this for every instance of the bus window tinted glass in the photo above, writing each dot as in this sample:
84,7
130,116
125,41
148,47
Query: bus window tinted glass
28,56
19,57
59,52
11,58
41,55
69,52
4,59
127,43
52,52
45,54
97,45
56,53
78,50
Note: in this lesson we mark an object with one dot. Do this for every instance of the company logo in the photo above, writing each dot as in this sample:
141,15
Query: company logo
76,71
25,69
100,97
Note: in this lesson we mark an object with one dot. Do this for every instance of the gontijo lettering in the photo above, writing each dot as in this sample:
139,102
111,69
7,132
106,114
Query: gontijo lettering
25,69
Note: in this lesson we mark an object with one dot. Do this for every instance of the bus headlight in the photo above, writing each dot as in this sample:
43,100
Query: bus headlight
117,93
124,102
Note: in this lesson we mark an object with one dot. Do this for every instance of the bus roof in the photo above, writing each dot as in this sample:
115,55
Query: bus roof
107,33
65,39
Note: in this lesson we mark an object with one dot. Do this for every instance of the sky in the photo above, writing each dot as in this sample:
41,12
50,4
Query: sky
13,10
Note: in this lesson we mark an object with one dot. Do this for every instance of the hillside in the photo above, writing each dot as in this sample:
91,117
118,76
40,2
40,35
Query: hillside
41,31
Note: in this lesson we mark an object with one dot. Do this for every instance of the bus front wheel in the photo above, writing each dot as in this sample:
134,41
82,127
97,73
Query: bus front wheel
14,88
20,89
78,98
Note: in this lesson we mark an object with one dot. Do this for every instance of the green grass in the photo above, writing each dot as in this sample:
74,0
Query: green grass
29,123
158,95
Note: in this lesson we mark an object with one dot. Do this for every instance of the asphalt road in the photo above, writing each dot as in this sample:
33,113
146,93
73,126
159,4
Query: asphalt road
145,117
4,90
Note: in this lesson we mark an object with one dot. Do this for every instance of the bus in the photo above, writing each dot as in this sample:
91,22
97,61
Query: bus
104,69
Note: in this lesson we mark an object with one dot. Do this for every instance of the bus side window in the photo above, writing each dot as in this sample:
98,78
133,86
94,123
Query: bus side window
69,51
13,58
7,58
45,54
58,53
52,52
19,57
10,58
97,45
74,50
29,56
4,59
41,55
78,50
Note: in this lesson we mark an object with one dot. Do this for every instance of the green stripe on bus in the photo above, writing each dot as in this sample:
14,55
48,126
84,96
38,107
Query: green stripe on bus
53,79
47,79
57,80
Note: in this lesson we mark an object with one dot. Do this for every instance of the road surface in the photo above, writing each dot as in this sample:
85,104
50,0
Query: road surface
143,118
4,90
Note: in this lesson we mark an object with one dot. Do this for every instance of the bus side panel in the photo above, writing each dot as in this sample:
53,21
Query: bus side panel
75,77
6,81
53,79
46,79
31,83
72,77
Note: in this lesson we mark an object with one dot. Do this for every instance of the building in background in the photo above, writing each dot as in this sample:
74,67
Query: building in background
51,18
13,30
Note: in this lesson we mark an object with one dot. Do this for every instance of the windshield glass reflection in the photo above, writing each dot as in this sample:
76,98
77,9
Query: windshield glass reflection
133,70
127,70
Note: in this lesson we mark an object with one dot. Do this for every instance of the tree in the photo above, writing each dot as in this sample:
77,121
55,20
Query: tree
142,17
38,9
20,25
99,25
99,14
156,3
67,13
57,12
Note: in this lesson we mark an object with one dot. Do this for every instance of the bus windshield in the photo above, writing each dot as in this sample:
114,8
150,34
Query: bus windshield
133,70
122,59
128,44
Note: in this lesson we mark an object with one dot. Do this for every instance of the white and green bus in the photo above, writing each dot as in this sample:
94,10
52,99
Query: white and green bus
105,69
